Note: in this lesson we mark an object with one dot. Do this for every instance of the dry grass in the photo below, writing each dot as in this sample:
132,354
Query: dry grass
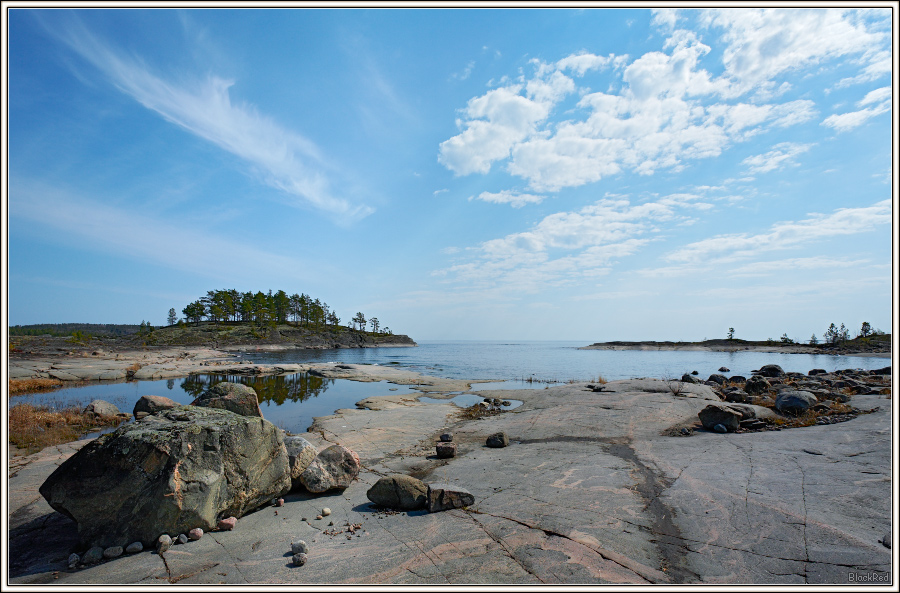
23,386
34,427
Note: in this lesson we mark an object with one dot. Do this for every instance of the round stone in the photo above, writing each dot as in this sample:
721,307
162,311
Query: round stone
195,533
93,556
299,547
447,437
326,511
720,428
299,559
163,543
134,548
227,524
74,559
113,552
182,539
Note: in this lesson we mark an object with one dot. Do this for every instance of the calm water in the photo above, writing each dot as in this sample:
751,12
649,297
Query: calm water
292,401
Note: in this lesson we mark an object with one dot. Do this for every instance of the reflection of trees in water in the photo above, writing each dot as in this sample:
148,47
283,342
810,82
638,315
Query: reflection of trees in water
272,388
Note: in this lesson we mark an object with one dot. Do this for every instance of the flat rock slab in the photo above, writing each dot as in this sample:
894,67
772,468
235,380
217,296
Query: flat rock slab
590,491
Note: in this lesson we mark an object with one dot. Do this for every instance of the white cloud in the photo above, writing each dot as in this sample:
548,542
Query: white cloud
780,156
283,159
880,99
783,235
514,199
764,268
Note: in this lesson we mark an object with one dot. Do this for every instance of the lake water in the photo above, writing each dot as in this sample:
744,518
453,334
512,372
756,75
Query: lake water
292,401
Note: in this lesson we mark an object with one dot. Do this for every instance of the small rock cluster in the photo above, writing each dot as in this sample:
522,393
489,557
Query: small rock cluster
406,493
789,394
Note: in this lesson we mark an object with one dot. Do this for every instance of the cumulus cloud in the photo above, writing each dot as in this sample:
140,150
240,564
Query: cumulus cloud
282,158
514,199
668,110
780,156
782,235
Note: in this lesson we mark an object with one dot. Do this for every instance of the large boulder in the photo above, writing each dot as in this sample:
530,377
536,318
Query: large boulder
757,385
770,370
795,402
151,404
400,492
234,397
334,467
176,470
714,414
301,454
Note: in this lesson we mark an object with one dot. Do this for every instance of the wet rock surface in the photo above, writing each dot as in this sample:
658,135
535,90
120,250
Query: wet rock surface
592,490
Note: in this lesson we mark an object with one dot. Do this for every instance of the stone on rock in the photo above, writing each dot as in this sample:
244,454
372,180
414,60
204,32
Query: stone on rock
795,402
301,453
226,524
299,559
74,559
183,470
195,533
299,547
334,467
151,404
134,548
98,407
714,414
163,543
445,450
93,556
326,511
736,395
443,497
770,370
182,539
756,385
400,492
234,397
113,552
720,428
497,440
447,437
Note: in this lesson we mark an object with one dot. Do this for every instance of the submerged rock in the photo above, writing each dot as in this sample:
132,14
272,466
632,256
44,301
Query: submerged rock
184,470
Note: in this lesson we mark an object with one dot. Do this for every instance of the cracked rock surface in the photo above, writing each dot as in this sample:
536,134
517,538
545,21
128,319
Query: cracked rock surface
590,490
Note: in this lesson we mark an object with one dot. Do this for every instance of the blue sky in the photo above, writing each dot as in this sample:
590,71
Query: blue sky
595,174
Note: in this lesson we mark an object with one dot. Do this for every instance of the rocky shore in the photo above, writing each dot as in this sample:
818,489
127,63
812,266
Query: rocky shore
620,482
880,348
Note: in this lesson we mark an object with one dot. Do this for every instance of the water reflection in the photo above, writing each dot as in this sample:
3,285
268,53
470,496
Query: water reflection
274,389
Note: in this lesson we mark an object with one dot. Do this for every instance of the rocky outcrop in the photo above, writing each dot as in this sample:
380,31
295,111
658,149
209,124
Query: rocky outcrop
182,468
234,397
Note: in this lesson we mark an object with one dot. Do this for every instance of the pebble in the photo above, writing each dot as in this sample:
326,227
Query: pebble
182,539
720,428
227,524
195,533
74,559
93,556
113,552
299,559
163,543
326,511
279,502
134,548
299,547
446,438
318,517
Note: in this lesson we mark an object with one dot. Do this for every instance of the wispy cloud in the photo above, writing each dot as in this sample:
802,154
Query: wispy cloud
128,233
780,156
879,101
783,235
282,159
514,199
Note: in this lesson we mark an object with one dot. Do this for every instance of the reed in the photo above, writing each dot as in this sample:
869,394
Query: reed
23,386
33,428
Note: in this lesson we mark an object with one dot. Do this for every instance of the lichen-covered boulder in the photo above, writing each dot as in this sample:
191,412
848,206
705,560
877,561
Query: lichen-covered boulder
188,468
334,467
234,397
399,491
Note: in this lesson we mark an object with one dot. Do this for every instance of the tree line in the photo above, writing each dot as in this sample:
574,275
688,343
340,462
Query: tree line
269,309
833,336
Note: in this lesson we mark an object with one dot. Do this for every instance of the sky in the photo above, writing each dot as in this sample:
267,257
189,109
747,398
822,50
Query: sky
533,174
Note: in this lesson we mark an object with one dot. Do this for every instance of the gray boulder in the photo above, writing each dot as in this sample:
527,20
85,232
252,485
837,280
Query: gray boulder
301,453
756,385
688,378
714,414
186,469
400,492
770,370
151,404
334,467
795,402
719,379
99,407
234,397
443,497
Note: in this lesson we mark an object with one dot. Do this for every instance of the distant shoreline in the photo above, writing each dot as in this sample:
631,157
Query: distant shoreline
880,350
